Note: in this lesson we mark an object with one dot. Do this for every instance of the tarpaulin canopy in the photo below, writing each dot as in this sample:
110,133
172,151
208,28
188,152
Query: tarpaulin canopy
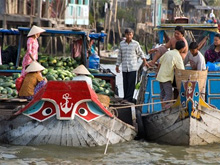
9,31
97,36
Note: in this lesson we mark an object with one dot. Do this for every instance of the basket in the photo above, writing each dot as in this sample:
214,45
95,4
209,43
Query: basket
193,75
104,99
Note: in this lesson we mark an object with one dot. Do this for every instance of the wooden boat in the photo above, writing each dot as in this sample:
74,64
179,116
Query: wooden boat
66,113
108,60
189,121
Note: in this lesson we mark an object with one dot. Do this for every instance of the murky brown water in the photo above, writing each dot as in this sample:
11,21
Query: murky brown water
134,152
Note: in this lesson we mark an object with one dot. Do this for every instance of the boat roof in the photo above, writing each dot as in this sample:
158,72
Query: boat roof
97,36
9,31
53,32
203,27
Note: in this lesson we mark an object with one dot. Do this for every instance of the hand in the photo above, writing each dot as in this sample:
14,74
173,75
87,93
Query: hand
45,79
117,69
146,64
152,51
151,64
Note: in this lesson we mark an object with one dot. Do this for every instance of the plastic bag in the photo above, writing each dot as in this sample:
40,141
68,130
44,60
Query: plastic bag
18,82
215,66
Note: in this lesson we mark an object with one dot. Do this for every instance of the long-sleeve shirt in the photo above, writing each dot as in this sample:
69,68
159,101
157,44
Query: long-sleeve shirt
32,48
128,55
211,55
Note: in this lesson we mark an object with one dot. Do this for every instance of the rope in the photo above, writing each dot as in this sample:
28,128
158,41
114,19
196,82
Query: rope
109,135
139,105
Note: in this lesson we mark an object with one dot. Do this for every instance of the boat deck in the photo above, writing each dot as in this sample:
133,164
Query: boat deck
9,106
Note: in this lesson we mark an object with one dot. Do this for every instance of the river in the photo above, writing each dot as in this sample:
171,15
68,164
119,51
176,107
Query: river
134,152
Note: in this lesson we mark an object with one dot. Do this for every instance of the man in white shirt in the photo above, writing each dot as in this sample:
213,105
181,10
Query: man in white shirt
195,57
129,52
196,60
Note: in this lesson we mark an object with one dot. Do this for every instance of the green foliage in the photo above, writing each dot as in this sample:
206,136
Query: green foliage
109,47
91,18
127,14
212,2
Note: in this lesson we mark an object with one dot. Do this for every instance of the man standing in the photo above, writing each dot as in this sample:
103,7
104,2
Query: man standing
170,60
128,55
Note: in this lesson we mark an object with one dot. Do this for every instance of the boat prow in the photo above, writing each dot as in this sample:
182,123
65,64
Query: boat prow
65,113
189,121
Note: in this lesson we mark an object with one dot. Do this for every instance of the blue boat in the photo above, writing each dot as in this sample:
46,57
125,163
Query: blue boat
190,123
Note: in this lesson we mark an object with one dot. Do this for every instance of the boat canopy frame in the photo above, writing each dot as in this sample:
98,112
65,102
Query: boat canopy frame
52,33
212,29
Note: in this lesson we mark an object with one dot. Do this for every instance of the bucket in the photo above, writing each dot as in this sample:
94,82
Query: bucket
94,61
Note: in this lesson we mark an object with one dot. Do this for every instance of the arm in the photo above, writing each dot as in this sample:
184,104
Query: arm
179,64
185,50
186,60
168,44
119,60
202,43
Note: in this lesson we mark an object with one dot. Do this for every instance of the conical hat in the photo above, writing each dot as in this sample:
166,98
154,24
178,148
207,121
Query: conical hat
34,30
81,70
34,67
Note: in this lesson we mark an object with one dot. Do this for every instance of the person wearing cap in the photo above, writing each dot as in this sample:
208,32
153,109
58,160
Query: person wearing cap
32,47
129,52
82,73
33,81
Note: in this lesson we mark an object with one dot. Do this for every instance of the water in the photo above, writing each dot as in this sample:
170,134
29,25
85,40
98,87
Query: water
134,152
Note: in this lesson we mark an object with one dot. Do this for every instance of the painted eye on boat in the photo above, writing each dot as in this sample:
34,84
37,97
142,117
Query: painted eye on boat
83,112
47,111
183,94
197,94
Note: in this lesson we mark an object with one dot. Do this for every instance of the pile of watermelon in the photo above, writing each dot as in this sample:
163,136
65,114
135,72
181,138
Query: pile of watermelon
57,69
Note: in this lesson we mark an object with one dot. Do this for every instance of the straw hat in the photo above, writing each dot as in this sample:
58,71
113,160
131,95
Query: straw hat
35,30
81,70
34,67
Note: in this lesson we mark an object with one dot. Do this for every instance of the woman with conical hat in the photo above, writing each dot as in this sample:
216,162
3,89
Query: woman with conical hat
32,47
33,81
82,73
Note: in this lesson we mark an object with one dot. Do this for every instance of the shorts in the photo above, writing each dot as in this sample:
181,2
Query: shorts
166,91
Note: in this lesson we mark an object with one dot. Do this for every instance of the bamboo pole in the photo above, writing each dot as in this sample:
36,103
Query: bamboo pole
47,8
94,12
39,12
109,26
24,7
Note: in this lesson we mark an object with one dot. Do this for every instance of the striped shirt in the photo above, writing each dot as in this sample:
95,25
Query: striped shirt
128,55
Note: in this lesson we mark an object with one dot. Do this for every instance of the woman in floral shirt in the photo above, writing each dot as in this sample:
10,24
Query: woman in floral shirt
213,53
32,47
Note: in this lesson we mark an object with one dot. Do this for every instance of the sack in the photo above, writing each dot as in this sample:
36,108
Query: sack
18,82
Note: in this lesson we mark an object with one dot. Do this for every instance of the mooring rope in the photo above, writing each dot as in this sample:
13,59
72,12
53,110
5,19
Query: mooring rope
139,105
109,135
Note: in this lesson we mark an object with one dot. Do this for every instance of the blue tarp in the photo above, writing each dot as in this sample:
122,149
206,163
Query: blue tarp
98,36
9,32
55,32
